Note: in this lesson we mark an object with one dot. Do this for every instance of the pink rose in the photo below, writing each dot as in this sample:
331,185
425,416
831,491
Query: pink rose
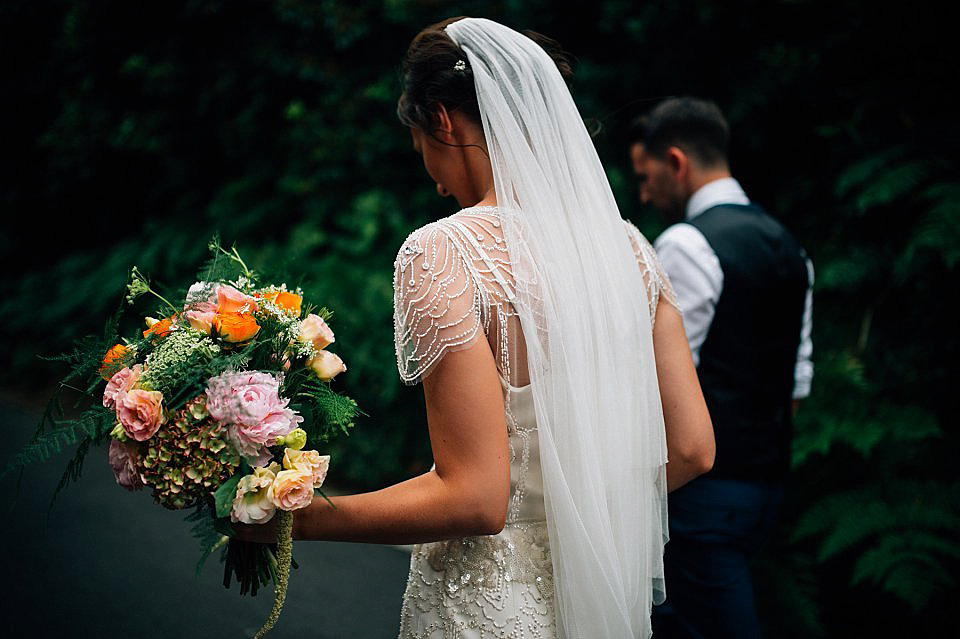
230,300
292,489
140,413
326,365
123,460
121,382
315,331
201,320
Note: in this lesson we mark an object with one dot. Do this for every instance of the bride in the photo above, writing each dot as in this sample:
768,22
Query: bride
554,364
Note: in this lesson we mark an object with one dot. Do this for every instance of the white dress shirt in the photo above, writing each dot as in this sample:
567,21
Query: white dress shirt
694,270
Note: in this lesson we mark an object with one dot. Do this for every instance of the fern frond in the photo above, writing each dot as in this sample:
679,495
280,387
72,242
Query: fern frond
939,231
74,468
859,173
906,535
843,520
205,531
898,181
325,412
907,567
94,424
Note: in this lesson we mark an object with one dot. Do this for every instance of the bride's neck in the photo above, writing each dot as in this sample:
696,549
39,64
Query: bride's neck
489,198
479,174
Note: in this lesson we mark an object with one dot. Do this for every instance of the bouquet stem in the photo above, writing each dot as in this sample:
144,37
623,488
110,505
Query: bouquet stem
284,558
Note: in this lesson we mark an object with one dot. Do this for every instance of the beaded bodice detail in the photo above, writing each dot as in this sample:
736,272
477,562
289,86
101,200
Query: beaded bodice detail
453,286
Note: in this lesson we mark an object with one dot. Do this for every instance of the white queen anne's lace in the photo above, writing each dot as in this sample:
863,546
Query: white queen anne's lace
453,285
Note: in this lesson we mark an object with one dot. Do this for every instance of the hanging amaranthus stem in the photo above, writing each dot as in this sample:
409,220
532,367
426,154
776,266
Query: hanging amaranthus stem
284,559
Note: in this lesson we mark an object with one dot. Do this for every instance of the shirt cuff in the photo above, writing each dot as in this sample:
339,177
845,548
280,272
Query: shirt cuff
803,379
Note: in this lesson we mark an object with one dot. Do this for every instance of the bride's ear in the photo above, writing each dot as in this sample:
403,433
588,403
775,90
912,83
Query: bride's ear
443,130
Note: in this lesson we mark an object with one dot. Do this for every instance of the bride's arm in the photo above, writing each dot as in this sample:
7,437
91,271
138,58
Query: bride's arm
690,443
466,494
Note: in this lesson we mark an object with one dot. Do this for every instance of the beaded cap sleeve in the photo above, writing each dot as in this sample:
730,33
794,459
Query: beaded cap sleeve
653,274
437,302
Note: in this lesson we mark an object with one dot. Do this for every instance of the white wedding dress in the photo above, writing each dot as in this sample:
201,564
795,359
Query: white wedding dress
454,285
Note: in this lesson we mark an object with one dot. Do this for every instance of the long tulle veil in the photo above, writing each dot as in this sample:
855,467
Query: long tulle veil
583,308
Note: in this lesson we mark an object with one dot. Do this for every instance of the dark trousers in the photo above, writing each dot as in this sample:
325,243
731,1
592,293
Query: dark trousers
716,525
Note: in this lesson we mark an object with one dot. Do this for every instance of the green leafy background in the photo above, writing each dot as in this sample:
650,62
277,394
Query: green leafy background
134,131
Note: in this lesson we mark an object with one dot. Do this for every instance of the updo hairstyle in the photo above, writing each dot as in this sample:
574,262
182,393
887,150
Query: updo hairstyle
432,74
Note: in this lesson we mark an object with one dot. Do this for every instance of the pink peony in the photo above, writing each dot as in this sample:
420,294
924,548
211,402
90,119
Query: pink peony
230,300
202,297
292,489
140,413
123,461
121,382
249,403
255,454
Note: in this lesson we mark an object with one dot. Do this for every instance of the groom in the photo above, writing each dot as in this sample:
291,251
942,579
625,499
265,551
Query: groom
743,283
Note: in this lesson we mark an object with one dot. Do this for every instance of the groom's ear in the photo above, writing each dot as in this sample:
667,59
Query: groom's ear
678,162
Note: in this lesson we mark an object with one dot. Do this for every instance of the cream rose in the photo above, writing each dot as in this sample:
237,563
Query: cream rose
309,460
292,489
326,365
315,331
252,504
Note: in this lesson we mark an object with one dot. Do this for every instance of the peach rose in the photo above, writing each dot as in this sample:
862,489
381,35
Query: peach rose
236,327
140,413
309,460
201,320
292,489
113,361
230,300
326,365
314,330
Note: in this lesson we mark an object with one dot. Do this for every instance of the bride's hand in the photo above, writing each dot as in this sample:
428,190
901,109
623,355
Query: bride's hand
257,533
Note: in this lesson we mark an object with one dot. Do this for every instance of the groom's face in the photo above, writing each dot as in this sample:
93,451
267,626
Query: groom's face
661,185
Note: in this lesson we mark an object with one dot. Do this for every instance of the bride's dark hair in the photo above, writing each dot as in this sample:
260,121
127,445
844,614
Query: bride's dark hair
431,75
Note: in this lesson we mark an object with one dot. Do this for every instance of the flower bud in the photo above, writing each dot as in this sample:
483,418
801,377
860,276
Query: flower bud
295,439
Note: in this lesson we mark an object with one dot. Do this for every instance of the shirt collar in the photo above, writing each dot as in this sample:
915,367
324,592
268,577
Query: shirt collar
722,191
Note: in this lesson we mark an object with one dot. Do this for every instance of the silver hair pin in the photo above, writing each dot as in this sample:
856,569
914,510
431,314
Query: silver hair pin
460,66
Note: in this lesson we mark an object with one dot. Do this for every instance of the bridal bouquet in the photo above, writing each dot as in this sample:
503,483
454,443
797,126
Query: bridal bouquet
212,408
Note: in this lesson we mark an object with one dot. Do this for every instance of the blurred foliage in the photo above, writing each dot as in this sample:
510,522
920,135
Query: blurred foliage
133,131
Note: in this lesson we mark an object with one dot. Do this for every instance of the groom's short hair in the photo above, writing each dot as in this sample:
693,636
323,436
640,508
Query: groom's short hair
696,126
